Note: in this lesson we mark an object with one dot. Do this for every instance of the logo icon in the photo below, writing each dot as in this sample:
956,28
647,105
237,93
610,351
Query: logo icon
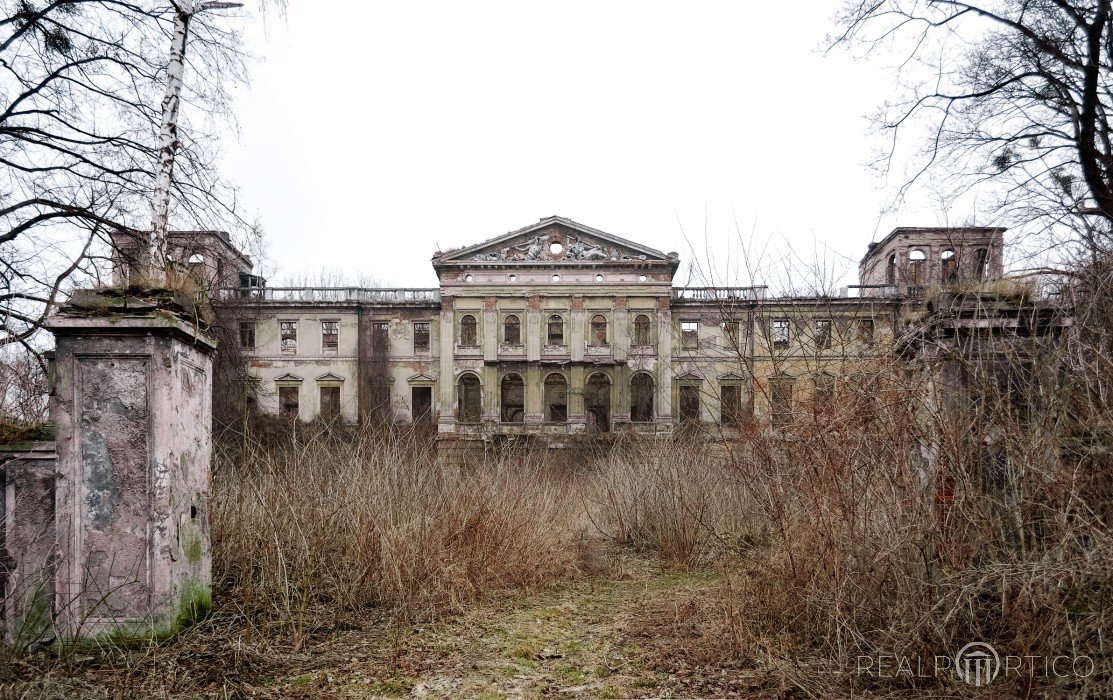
977,664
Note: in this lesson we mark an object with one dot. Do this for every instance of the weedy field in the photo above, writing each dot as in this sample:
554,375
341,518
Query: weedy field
813,561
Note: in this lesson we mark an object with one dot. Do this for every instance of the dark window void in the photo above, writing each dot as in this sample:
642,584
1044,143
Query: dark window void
865,331
556,399
641,330
780,399
512,331
247,335
597,402
513,403
555,334
380,338
469,398
730,402
641,398
288,402
421,336
330,402
421,405
891,270
469,336
598,331
689,403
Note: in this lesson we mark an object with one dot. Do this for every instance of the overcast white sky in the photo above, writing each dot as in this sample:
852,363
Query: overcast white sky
375,133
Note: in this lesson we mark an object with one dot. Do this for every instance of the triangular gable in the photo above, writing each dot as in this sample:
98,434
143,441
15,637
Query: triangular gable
731,377
579,243
689,377
421,379
288,378
330,377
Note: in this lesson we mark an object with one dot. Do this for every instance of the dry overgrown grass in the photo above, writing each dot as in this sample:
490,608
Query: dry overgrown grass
337,526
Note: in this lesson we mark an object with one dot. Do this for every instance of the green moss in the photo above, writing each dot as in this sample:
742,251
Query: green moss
191,546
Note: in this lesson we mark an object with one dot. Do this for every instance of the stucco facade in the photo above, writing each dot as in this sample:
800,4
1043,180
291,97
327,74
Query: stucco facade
561,329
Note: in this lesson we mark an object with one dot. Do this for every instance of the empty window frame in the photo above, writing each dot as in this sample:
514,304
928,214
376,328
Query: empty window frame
513,399
421,404
642,330
247,335
732,330
288,402
469,335
330,337
380,338
916,263
556,398
330,402
780,399
421,336
689,403
598,337
948,266
512,330
288,336
641,398
555,331
981,264
689,334
597,403
823,334
469,398
781,332
891,270
865,331
730,404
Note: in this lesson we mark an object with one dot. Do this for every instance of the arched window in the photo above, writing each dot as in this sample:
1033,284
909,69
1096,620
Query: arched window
513,397
641,398
555,334
512,331
641,330
598,330
470,399
948,266
891,270
597,402
981,264
556,398
916,266
468,335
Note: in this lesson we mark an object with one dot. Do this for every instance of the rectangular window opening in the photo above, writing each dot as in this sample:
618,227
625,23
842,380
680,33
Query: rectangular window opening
330,336
247,335
288,336
421,336
689,335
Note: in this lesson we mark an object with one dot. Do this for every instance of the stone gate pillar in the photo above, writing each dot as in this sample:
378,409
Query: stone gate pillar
132,406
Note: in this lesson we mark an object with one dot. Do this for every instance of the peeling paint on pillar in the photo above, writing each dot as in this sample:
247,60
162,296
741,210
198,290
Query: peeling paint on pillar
132,408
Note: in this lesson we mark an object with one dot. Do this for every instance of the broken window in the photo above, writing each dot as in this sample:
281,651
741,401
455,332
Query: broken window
469,398
513,399
823,334
891,270
689,334
981,264
421,336
865,331
598,330
780,332
556,398
288,402
948,269
689,403
555,334
421,404
730,404
247,335
641,330
330,336
512,331
330,402
468,333
916,267
780,399
641,398
288,335
380,338
597,401
731,331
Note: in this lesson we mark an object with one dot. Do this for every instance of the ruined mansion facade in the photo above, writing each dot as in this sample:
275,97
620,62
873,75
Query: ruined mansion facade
561,329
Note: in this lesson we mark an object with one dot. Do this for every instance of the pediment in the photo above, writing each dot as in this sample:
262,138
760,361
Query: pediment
731,377
554,239
689,377
330,377
287,379
421,379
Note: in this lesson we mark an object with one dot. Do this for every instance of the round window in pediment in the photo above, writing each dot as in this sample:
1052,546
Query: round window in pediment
556,248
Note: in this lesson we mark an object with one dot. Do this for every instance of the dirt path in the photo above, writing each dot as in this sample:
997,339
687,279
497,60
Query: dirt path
593,639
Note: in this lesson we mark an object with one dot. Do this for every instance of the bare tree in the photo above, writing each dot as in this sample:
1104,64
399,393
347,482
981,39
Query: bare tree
1011,92
81,139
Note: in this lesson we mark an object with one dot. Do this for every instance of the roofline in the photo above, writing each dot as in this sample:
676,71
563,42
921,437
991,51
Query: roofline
926,229
583,228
